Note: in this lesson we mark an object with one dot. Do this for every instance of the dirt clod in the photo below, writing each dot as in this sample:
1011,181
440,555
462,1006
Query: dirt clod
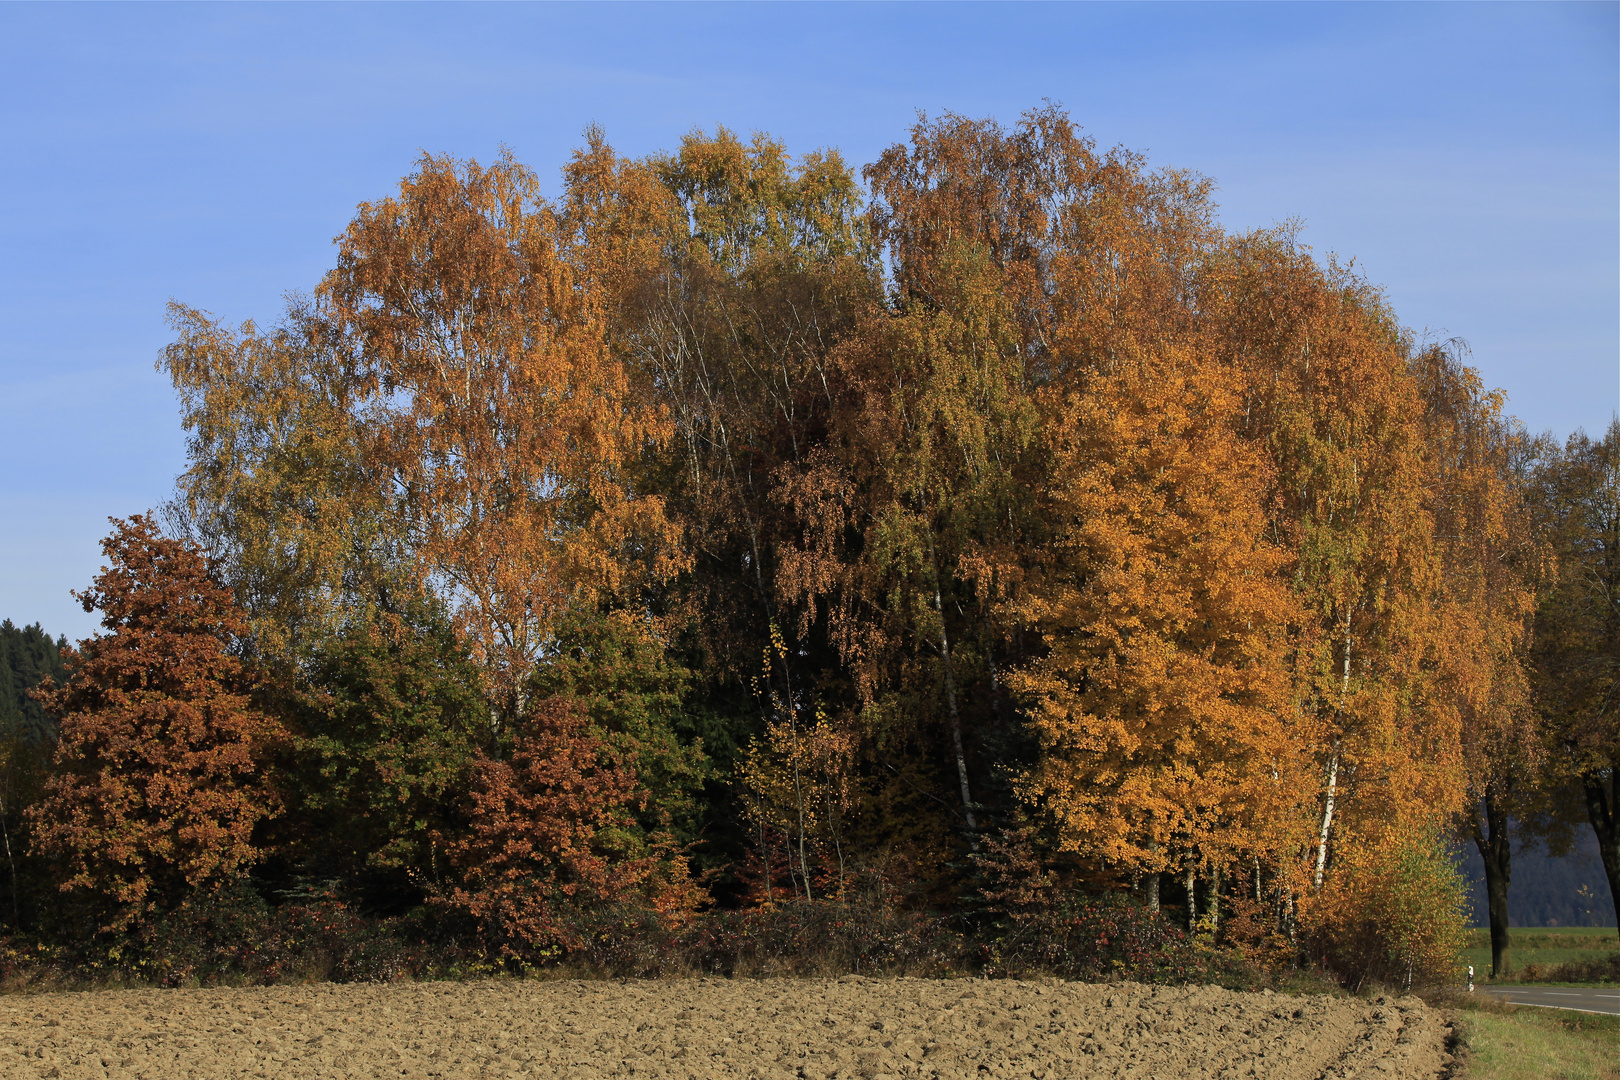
701,1029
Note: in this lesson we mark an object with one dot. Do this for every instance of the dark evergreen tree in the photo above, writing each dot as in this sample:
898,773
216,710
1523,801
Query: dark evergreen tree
385,722
28,657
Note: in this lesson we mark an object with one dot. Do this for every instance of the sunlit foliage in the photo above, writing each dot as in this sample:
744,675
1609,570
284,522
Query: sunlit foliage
988,524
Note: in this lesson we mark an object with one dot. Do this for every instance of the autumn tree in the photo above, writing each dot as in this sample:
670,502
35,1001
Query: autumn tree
1397,911
734,270
444,415
926,505
1162,702
498,420
1331,399
550,836
159,782
1491,565
1029,267
277,487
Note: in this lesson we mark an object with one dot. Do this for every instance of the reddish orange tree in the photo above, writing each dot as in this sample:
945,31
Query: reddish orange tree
158,786
551,832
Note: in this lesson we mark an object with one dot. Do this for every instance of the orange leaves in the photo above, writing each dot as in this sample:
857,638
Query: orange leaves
1162,701
497,417
158,786
1043,487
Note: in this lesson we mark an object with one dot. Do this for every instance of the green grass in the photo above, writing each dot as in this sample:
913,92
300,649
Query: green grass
1505,1042
1545,946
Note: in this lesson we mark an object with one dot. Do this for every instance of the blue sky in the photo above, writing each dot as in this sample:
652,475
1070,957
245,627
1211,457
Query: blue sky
1465,155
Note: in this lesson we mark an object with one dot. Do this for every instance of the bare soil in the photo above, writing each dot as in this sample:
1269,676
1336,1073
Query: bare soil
713,1028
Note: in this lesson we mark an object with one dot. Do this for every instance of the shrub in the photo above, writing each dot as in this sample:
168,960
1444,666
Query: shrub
826,937
550,837
1393,913
1094,938
231,935
1604,969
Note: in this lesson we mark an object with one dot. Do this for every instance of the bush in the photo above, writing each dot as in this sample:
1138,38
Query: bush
231,935
551,840
1393,913
823,938
1603,969
1106,937
1046,926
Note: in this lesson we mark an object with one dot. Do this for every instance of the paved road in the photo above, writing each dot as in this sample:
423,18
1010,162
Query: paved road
1603,1000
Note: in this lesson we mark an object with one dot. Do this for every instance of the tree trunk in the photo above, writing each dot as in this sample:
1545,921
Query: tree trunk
1333,766
1192,901
11,865
956,719
1603,808
1327,815
1495,847
1150,887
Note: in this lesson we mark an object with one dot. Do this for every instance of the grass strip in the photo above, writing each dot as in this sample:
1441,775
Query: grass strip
1512,1042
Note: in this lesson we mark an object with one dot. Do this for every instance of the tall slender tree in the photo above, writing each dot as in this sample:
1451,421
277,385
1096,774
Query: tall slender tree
277,488
498,420
1491,566
1330,397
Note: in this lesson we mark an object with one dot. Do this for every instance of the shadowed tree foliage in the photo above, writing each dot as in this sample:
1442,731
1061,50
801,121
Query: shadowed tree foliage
384,725
28,658
1578,630
621,673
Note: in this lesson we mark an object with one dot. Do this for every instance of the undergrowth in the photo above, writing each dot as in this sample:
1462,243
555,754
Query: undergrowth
235,937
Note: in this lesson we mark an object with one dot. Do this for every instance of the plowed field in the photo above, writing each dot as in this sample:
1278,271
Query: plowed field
713,1028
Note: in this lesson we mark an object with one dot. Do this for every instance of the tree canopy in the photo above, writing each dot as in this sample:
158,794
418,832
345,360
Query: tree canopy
815,531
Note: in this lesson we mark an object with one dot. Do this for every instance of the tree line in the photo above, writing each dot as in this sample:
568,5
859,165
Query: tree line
731,529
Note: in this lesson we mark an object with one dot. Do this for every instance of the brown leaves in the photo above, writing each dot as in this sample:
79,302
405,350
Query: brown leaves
549,836
1037,484
158,786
